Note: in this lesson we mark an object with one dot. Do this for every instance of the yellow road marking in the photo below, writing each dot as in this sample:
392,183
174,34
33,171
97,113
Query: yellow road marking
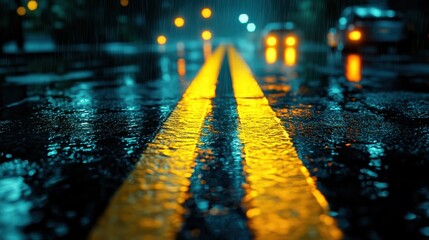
149,203
282,199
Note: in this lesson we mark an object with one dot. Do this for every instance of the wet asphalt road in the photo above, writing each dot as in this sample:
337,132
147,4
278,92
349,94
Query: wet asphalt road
358,123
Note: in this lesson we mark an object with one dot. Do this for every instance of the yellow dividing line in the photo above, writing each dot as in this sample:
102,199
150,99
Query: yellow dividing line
149,203
281,197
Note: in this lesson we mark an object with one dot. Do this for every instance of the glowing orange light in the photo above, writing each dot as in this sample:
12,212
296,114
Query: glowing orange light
354,68
32,5
206,13
124,3
355,35
290,41
161,40
271,55
207,50
290,56
206,35
271,41
21,11
181,67
179,22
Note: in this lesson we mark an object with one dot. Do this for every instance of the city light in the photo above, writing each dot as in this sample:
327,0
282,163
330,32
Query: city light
290,41
206,13
206,35
251,27
179,22
161,40
32,5
243,18
124,3
21,11
271,55
271,41
355,35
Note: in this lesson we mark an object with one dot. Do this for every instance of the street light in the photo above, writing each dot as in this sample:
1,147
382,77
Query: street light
206,13
161,40
251,27
179,22
206,35
243,18
32,5
124,3
21,11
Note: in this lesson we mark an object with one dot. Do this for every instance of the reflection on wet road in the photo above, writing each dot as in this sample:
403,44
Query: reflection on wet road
274,171
215,209
67,147
215,203
148,204
314,145
359,124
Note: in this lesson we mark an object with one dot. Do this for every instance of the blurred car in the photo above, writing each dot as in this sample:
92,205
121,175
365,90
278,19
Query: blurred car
363,26
280,35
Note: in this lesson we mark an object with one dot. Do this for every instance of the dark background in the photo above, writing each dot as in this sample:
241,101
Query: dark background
107,21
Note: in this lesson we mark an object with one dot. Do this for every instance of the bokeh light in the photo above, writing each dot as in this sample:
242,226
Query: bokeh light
206,13
179,22
251,27
124,3
206,35
21,11
32,5
161,40
290,41
243,18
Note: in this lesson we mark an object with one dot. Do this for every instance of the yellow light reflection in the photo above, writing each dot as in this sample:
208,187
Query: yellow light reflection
282,199
149,204
124,3
271,55
290,56
207,50
206,13
181,67
21,11
179,22
32,5
354,68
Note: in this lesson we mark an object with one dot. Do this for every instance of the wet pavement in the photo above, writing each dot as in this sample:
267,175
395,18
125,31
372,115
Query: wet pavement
69,140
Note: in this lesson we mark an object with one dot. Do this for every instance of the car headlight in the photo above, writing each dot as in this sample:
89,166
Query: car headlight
291,41
355,35
271,41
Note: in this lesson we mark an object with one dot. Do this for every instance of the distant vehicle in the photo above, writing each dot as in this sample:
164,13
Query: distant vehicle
363,26
280,35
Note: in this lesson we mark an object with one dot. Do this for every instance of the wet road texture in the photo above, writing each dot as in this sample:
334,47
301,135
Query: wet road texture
193,144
